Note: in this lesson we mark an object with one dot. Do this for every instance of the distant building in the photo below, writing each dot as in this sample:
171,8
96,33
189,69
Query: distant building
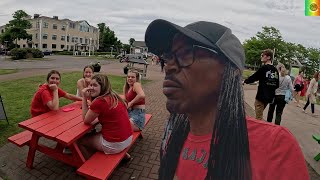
139,47
54,34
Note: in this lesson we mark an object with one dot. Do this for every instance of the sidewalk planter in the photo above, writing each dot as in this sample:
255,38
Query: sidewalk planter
125,70
96,66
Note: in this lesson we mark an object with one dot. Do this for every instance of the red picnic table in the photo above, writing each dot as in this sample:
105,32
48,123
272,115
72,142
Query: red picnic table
65,127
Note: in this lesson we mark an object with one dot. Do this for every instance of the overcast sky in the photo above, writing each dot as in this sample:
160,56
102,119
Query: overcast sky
129,18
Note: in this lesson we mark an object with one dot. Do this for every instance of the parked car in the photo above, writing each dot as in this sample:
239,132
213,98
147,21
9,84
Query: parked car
47,53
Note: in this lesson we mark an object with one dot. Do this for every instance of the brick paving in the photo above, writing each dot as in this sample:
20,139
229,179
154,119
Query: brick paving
145,152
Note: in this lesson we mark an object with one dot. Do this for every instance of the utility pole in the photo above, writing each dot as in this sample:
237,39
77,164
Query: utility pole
40,35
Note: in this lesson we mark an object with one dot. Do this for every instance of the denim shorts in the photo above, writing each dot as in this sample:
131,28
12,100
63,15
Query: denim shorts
138,116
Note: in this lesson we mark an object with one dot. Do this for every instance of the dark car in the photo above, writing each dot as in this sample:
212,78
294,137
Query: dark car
47,53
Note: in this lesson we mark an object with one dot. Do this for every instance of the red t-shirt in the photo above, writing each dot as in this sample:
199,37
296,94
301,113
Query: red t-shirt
41,98
274,154
115,122
130,95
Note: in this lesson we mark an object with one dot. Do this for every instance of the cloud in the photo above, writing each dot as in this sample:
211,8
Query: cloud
131,18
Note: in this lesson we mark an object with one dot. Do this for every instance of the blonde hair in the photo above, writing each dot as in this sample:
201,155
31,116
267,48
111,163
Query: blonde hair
280,67
106,90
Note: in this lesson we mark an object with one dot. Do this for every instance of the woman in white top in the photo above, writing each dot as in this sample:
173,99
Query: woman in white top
85,80
279,102
312,93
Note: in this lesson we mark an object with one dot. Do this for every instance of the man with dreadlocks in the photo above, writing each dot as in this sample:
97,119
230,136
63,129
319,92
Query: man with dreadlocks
207,135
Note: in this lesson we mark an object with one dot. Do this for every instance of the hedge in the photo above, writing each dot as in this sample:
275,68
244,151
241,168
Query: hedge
25,53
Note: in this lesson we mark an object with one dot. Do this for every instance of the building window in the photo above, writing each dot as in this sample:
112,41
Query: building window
54,26
54,46
63,38
2,31
68,38
45,25
54,37
72,25
45,36
62,46
86,41
81,40
38,25
36,36
36,45
63,28
24,45
84,29
76,39
44,45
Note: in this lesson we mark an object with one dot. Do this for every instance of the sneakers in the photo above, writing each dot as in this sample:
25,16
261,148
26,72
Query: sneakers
304,111
314,115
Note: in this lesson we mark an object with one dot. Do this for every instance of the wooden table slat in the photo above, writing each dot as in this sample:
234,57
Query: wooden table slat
66,126
59,122
73,133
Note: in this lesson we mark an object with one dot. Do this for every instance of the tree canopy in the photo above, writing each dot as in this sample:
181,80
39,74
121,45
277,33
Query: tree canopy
16,28
285,52
108,39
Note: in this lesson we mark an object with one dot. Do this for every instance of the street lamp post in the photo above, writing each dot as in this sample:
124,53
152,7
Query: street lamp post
89,45
111,50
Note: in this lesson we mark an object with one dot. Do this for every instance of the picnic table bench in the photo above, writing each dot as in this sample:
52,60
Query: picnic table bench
142,70
66,128
101,166
317,138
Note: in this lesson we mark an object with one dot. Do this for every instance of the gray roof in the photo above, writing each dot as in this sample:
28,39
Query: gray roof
139,44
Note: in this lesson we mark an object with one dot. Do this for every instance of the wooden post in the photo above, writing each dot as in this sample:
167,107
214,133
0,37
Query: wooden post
3,114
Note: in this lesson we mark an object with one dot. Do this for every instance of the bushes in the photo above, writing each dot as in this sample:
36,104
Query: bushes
24,53
62,52
36,53
18,53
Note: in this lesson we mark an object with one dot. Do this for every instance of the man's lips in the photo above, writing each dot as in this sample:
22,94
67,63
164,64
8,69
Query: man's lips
171,84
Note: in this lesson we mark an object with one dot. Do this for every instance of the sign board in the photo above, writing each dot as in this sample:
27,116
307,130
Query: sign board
137,50
3,115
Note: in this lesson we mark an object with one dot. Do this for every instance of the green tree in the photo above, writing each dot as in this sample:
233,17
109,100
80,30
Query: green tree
312,62
16,28
268,38
108,38
126,47
131,41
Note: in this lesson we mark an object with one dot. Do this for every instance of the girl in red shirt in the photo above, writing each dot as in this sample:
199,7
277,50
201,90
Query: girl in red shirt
111,111
47,96
135,97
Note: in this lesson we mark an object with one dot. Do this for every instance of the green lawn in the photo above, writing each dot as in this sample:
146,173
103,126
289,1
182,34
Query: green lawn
17,96
8,71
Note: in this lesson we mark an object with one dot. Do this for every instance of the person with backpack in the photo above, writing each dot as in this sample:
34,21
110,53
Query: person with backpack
285,85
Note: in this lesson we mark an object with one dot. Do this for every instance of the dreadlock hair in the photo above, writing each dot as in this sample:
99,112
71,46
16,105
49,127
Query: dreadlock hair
229,150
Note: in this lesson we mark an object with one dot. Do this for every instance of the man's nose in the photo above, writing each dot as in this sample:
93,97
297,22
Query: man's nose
171,66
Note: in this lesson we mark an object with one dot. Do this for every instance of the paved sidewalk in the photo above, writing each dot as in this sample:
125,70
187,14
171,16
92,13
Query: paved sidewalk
301,125
145,151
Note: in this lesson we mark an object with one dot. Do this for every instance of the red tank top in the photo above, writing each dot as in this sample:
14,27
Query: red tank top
130,95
